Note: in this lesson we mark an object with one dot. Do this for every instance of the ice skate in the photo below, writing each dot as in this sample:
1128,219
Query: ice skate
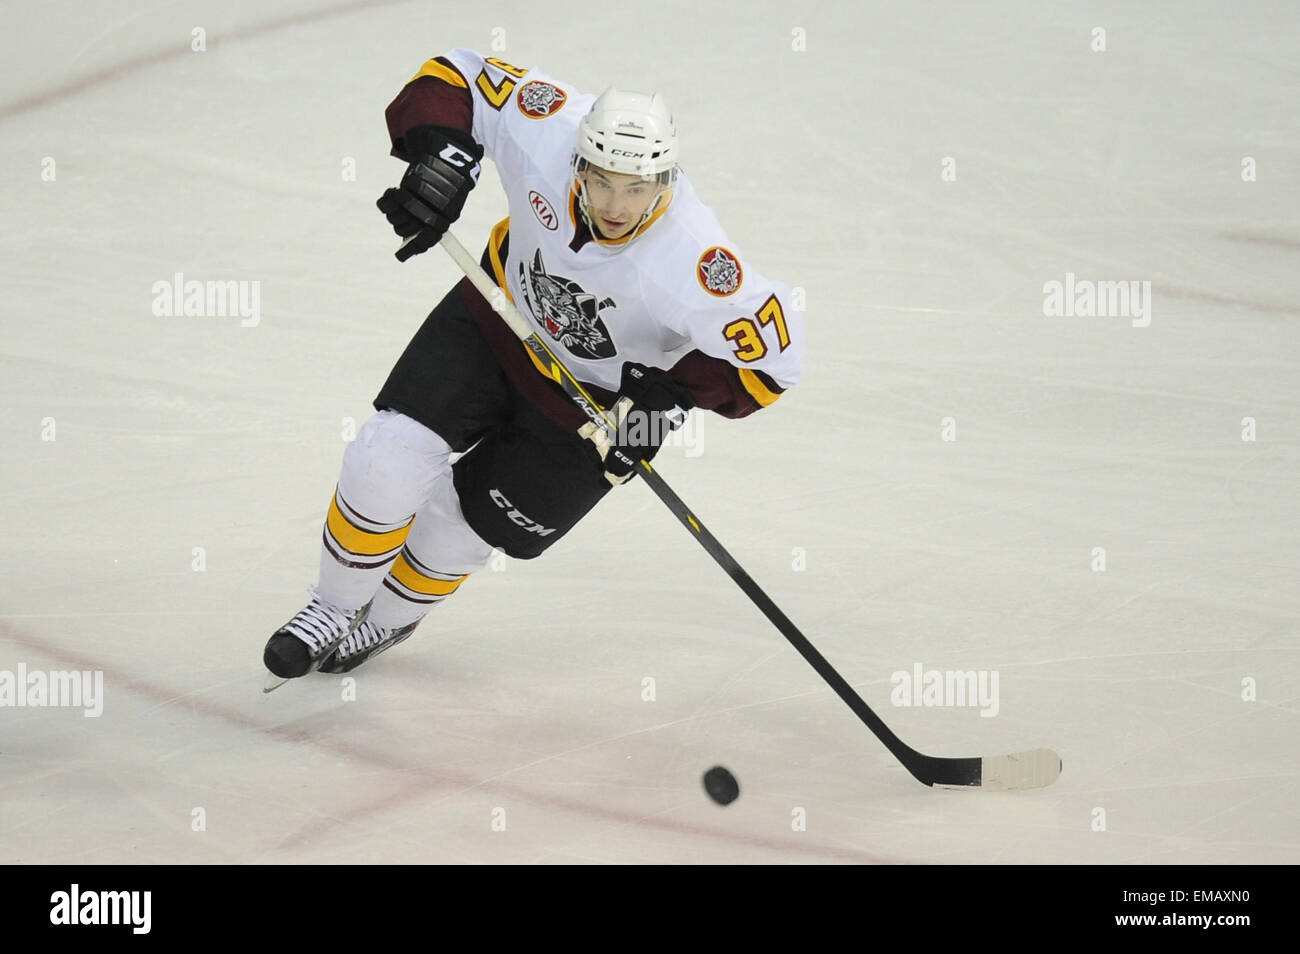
366,641
303,643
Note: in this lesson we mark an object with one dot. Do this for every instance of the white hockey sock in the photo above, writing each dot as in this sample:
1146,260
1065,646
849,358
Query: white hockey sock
440,551
388,475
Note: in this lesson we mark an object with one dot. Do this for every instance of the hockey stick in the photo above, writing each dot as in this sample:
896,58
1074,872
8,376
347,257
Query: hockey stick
1032,768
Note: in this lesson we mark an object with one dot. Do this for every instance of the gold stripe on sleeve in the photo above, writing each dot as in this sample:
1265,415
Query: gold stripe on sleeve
442,72
756,388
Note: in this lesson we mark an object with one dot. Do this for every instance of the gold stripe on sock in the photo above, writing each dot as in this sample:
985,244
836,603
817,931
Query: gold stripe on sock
414,580
365,542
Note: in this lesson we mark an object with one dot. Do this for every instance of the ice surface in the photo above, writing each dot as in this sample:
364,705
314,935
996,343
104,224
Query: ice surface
521,700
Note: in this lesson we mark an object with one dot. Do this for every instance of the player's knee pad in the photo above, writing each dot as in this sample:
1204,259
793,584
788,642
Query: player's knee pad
389,471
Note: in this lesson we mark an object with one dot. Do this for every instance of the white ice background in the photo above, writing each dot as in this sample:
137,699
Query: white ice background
1168,681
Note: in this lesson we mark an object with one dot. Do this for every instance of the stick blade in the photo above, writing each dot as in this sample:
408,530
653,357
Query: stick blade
1033,768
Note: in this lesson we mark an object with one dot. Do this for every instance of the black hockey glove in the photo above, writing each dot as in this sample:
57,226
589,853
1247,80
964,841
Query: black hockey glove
659,407
444,168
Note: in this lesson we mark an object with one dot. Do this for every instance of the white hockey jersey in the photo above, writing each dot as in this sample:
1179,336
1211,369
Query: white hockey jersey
680,285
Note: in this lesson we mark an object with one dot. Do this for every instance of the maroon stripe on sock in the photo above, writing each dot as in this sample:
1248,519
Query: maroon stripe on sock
439,575
353,511
404,594
355,564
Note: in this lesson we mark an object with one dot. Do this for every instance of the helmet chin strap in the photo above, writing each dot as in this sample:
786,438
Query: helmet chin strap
578,166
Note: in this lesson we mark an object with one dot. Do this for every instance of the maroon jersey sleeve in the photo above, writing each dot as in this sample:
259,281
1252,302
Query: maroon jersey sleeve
432,98
721,387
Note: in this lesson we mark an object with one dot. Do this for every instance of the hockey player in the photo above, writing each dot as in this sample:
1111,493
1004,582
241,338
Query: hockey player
618,265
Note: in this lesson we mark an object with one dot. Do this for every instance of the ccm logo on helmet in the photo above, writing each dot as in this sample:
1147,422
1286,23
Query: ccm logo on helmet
626,152
542,209
515,517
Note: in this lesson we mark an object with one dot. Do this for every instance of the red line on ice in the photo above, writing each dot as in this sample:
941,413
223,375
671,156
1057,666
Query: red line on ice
427,783
127,67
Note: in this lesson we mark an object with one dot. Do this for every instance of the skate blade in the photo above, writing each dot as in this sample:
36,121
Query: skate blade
273,682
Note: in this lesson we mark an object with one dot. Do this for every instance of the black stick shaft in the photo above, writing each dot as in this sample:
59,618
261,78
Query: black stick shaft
903,752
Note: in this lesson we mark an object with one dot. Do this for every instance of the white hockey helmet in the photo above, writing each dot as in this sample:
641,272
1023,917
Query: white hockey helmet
633,134
629,132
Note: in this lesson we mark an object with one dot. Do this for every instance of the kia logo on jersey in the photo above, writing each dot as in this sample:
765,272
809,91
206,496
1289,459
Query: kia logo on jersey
542,209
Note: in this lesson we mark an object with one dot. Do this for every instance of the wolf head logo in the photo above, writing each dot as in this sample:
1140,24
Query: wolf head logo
537,100
569,314
720,272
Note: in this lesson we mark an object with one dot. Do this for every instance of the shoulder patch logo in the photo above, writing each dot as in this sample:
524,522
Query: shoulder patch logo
537,99
542,209
719,271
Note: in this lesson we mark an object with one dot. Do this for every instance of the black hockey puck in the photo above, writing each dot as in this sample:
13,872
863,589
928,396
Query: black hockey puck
721,785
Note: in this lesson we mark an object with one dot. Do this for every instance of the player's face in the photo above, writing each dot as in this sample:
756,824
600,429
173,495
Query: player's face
616,201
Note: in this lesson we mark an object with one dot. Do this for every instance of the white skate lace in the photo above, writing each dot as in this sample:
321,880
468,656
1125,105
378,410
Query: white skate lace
366,635
319,625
